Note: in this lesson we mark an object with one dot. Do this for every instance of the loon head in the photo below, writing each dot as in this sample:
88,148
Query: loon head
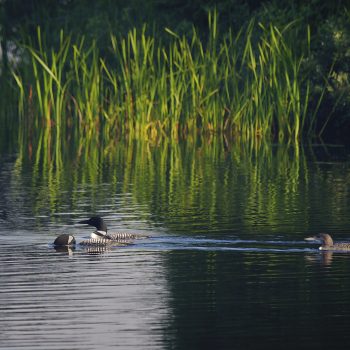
324,238
97,222
64,240
101,228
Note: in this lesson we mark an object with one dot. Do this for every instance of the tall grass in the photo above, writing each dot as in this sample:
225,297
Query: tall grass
247,83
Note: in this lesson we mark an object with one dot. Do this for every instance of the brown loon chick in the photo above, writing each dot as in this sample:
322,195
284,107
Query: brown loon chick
101,231
327,242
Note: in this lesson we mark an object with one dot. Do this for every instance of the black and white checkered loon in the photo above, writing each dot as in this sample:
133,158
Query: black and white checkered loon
328,244
99,237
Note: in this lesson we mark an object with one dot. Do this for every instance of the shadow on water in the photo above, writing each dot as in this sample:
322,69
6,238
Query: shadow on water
255,299
226,266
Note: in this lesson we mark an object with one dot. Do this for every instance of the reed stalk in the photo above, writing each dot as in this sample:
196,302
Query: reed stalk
247,84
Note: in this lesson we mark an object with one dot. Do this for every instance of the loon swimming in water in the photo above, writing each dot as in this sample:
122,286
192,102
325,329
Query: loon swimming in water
64,240
99,238
101,231
327,242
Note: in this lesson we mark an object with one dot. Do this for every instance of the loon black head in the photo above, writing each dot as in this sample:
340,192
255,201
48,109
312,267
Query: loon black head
324,238
101,228
95,221
64,240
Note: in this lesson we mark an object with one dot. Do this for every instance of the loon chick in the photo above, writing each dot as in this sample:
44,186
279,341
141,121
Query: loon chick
327,242
101,230
64,240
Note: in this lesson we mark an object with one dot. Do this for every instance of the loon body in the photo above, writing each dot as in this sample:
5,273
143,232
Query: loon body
327,242
98,238
101,242
101,231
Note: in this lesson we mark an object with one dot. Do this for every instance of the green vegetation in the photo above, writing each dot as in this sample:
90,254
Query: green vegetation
248,84
271,69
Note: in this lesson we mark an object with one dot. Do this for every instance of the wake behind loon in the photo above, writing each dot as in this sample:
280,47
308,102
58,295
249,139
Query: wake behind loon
328,244
98,237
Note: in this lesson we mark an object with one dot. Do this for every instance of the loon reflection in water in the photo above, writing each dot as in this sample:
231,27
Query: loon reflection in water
327,242
99,238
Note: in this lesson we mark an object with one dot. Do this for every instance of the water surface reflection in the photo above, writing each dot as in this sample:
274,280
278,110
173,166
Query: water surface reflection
49,300
226,267
254,300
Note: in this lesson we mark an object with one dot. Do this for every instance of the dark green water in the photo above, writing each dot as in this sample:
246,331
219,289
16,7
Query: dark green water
226,266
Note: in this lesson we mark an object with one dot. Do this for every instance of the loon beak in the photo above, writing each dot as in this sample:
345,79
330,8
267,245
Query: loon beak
83,222
313,238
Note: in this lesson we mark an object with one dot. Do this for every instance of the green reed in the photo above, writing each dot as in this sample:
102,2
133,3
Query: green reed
248,84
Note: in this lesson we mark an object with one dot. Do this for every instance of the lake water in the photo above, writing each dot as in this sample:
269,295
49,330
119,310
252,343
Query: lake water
226,266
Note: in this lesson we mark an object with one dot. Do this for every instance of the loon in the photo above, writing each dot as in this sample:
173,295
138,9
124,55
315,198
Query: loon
101,231
327,242
99,238
64,240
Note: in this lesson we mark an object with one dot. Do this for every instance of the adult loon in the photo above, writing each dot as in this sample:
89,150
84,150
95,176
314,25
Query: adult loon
99,238
101,231
327,242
